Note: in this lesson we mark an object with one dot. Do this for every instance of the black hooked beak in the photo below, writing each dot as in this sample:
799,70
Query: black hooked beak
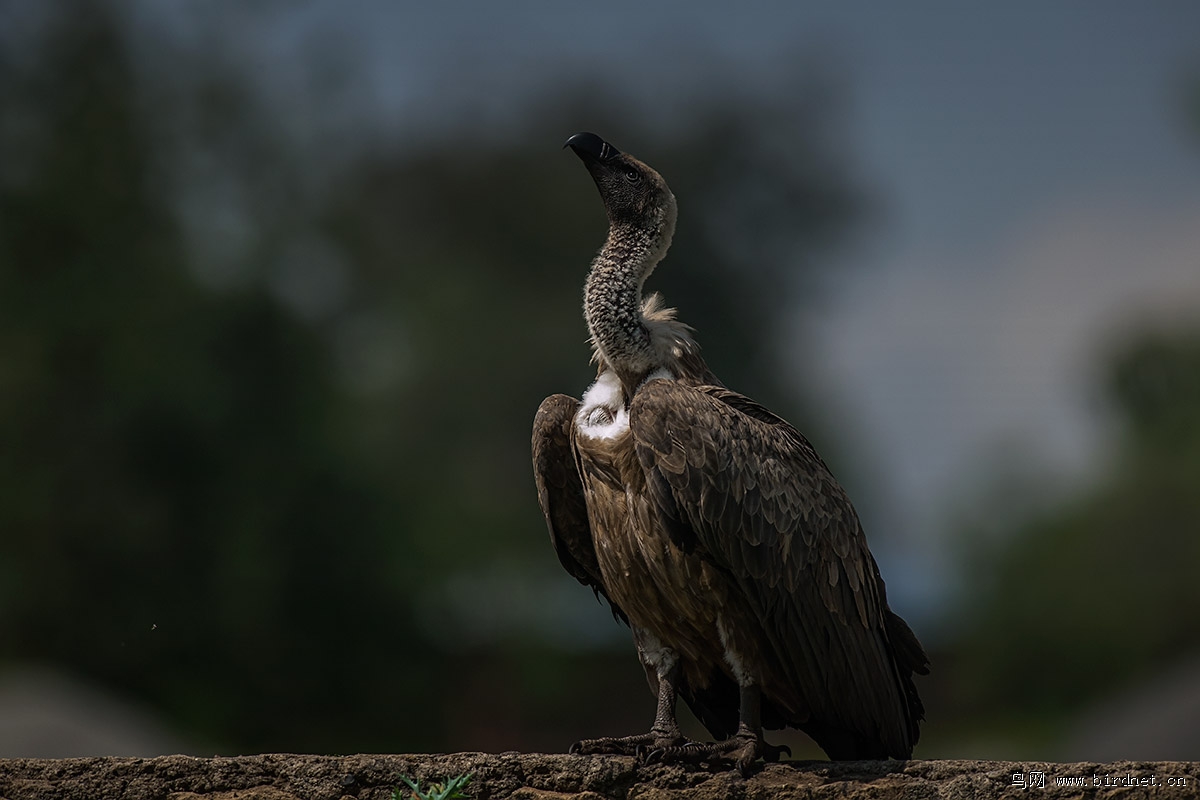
590,147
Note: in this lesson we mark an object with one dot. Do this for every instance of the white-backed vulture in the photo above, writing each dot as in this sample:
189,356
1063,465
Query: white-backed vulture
712,526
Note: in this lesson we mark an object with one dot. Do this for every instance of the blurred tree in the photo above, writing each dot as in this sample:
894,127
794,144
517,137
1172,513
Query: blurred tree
1099,589
1071,598
179,517
264,443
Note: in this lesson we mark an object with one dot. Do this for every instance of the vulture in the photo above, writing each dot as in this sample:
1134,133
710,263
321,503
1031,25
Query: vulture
712,527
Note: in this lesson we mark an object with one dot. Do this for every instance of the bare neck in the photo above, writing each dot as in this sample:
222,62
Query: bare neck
612,300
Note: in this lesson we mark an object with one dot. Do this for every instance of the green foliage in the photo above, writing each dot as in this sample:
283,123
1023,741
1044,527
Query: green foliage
1155,384
1097,591
453,789
180,518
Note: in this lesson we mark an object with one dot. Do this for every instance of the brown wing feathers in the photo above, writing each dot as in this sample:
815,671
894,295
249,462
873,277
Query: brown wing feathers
560,494
763,505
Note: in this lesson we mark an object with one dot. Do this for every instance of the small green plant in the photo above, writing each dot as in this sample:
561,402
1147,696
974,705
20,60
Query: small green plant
450,790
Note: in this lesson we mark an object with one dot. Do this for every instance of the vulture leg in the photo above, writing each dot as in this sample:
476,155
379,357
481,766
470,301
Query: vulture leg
744,748
663,735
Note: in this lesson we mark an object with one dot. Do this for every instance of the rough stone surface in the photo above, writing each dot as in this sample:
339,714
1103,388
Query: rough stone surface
521,776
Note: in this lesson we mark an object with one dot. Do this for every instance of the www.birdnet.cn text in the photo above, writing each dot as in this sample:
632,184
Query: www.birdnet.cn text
1042,780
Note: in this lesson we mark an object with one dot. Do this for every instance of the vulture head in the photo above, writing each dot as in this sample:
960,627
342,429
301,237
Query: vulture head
634,194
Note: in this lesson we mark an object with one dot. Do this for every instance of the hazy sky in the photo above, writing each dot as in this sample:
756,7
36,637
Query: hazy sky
1040,191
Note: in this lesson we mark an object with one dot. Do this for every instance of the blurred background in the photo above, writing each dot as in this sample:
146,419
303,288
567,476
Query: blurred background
282,285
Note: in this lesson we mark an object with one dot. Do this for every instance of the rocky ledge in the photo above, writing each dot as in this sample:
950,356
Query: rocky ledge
525,776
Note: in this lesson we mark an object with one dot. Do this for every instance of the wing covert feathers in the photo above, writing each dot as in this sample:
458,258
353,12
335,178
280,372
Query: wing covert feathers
762,505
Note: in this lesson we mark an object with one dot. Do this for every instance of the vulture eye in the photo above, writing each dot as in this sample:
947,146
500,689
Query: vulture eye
632,175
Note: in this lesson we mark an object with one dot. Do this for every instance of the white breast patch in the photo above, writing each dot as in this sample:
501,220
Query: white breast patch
603,415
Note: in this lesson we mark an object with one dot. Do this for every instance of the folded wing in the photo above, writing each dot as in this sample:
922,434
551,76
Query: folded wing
740,484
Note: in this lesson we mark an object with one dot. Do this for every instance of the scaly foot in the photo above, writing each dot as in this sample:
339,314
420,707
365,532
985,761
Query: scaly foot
743,749
630,745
